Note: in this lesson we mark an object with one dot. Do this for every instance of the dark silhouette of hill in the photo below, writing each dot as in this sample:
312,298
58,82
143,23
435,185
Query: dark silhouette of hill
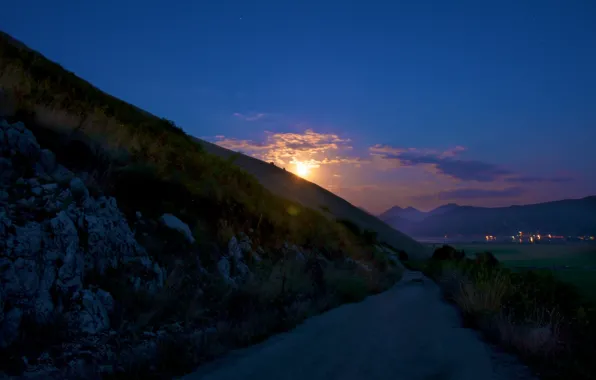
312,195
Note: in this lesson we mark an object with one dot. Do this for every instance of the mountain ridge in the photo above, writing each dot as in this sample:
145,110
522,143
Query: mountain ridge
565,216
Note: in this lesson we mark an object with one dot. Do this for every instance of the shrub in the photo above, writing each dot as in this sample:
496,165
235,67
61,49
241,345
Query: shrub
538,336
346,286
487,258
447,252
369,237
350,225
485,293
403,256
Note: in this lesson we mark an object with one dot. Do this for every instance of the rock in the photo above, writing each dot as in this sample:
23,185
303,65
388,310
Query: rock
174,223
19,126
64,238
22,141
244,243
293,252
89,315
160,275
8,277
53,237
27,277
109,237
223,267
27,240
242,269
50,187
5,169
47,159
106,300
5,224
363,266
257,254
78,189
44,309
71,272
62,175
136,284
234,250
9,329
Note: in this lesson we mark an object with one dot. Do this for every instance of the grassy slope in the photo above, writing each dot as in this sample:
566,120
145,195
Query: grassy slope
60,99
311,195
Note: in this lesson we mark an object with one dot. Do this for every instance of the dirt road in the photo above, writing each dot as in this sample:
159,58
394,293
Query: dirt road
406,333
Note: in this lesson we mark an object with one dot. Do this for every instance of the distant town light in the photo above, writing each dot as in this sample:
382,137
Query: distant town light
531,239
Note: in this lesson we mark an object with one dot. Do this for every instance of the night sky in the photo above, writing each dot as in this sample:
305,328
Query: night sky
413,103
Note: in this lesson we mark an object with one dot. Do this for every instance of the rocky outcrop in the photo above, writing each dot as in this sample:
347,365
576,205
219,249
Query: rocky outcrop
232,266
54,236
174,223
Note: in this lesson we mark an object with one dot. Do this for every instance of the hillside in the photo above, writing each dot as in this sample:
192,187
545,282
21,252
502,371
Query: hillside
132,250
311,195
565,217
84,111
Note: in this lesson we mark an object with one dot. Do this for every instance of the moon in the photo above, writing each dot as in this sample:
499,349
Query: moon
302,170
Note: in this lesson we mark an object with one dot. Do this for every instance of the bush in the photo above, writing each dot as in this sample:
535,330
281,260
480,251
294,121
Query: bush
346,286
403,256
370,237
487,258
350,225
447,252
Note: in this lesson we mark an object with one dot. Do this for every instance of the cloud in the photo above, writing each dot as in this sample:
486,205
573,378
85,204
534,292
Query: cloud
442,162
250,116
310,148
471,193
531,179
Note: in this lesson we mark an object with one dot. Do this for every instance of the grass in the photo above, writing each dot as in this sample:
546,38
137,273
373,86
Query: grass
571,263
534,313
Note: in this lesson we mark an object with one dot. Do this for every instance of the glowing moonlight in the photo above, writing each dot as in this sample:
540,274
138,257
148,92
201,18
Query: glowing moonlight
302,170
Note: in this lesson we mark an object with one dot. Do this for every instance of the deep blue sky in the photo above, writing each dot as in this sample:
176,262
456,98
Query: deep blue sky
514,82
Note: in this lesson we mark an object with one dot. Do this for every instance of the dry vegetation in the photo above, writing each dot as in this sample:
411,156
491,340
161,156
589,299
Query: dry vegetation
531,312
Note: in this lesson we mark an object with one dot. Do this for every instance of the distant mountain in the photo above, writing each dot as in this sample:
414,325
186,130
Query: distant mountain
409,213
565,217
443,209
